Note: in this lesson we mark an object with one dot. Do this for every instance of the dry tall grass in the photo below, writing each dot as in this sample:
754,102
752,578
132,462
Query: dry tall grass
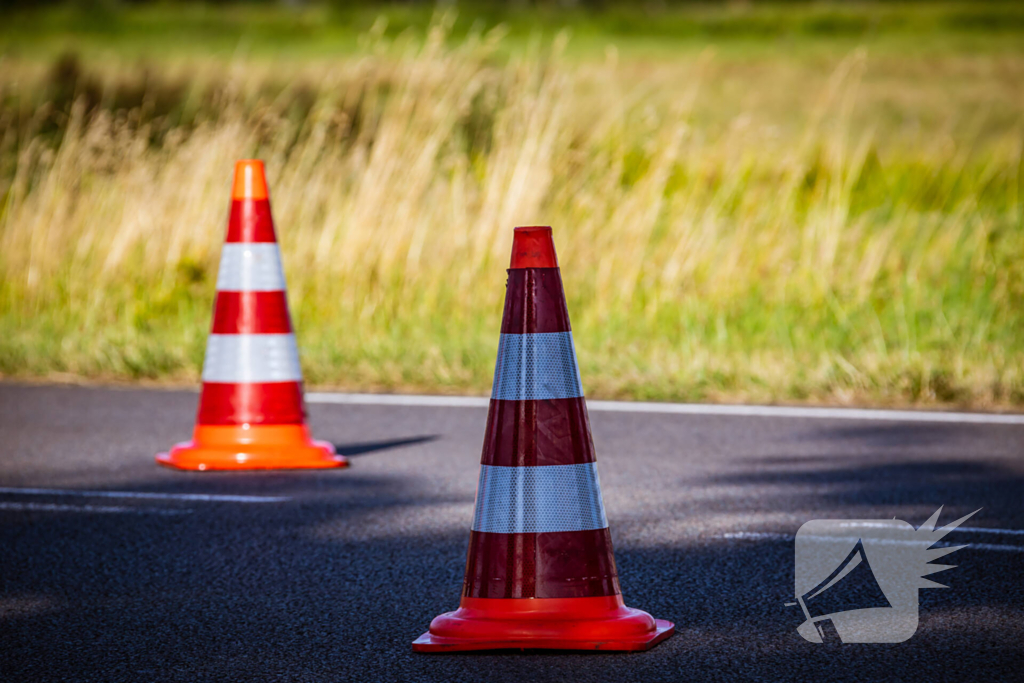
740,259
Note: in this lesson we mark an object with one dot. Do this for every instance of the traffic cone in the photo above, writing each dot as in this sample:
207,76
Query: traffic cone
251,414
540,572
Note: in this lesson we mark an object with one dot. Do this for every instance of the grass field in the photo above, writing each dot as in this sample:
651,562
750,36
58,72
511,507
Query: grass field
799,202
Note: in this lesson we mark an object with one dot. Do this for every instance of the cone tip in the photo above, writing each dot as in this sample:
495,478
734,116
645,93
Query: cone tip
533,247
250,180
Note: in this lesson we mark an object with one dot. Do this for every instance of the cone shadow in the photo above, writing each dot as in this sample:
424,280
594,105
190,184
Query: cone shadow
350,450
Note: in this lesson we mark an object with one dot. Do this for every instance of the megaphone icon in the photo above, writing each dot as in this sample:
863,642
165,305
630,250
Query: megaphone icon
851,586
858,601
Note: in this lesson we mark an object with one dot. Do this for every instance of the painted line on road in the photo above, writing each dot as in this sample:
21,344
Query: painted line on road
755,536
106,509
768,536
208,497
398,400
683,409
990,546
979,530
861,524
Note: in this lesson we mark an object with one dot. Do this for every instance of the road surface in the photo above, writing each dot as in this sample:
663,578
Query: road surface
113,569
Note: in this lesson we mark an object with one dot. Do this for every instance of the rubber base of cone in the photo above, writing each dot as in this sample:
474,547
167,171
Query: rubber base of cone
602,623
251,447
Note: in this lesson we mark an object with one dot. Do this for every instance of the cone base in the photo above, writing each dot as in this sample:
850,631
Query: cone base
251,447
602,623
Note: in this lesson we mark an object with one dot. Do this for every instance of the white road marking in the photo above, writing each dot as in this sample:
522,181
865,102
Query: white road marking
997,548
684,409
861,524
53,507
977,530
768,536
755,536
208,497
398,400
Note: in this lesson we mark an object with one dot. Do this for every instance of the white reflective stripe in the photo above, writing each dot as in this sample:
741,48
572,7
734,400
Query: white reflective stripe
250,268
534,367
527,500
251,358
214,497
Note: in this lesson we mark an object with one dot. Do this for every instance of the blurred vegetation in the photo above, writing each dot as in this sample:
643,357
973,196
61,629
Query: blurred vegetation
760,201
299,29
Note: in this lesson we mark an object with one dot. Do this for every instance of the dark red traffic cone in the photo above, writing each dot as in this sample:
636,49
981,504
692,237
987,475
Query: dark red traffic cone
540,571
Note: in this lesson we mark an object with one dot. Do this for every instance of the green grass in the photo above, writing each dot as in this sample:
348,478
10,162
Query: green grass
807,202
270,30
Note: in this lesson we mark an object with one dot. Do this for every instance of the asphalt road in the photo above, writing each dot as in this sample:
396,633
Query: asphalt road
334,578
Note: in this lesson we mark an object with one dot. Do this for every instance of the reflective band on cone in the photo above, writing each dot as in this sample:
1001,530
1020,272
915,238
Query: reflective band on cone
534,500
540,572
250,268
535,367
251,358
251,413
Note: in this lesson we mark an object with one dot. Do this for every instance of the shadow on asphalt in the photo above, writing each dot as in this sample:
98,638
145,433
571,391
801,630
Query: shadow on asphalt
903,434
352,450
320,589
960,483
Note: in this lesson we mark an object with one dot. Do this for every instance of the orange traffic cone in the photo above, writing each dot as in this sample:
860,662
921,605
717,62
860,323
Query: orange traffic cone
540,571
251,413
